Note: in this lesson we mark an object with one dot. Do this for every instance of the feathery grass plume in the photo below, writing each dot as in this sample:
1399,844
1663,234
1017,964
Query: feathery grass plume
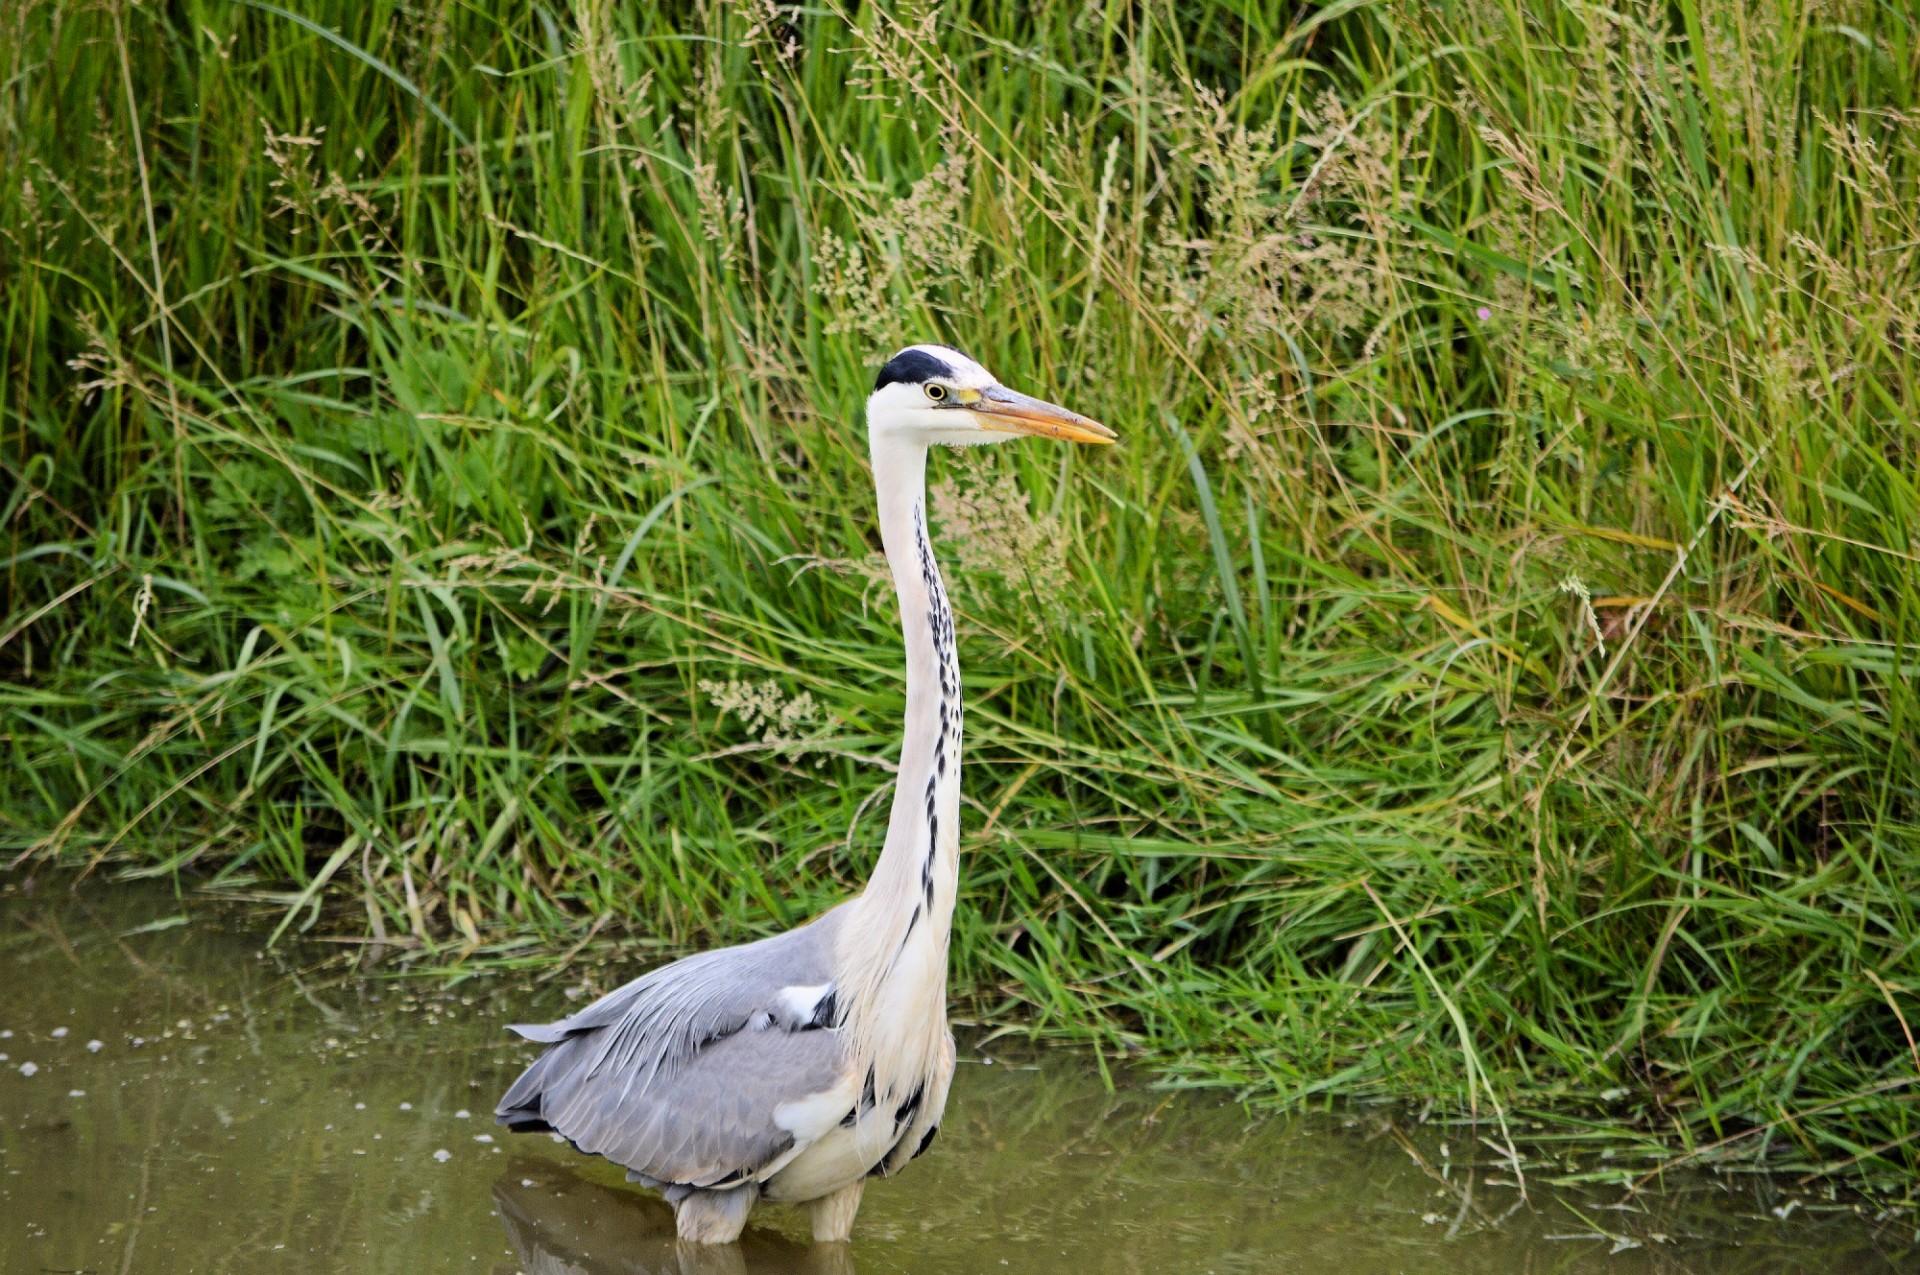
764,709
907,253
986,521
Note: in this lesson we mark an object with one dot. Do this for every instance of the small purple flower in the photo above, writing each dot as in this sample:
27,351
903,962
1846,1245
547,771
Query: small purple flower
1484,314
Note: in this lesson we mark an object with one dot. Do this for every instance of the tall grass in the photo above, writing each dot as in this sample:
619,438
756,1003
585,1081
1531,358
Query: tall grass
1486,673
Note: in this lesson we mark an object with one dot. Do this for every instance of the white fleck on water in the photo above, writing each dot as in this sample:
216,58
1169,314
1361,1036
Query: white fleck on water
58,1033
443,1155
483,1137
76,1093
95,1046
27,1068
406,1106
463,1114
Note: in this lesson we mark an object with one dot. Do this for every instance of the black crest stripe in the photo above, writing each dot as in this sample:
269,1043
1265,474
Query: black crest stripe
914,367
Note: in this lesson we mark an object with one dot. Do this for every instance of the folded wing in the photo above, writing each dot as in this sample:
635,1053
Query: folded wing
708,1072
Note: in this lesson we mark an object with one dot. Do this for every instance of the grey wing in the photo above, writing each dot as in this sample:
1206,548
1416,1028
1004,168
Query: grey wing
679,1074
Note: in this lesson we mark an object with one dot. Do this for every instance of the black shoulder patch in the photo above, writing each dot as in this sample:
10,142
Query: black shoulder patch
915,367
826,1012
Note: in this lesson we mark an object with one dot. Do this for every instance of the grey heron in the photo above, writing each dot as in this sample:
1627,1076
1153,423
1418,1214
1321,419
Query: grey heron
793,1068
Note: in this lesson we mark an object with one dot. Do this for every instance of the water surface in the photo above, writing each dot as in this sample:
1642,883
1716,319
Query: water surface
174,1099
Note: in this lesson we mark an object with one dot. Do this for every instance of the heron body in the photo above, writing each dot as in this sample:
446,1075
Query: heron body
795,1067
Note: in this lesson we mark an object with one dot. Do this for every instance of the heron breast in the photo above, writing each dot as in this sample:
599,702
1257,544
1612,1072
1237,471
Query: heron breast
841,1157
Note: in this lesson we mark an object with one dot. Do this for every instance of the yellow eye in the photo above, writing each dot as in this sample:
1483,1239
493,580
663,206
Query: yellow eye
937,393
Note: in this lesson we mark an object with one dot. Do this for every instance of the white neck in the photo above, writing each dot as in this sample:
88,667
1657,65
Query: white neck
898,952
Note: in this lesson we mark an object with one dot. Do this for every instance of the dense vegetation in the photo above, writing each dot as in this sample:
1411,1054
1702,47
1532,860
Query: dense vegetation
435,501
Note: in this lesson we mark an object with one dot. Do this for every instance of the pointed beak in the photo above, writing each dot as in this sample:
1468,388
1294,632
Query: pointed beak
1010,412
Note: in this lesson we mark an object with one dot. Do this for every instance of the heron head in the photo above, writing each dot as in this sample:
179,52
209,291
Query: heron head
936,394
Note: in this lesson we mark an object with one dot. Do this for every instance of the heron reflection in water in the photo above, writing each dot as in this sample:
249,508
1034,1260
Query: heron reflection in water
559,1223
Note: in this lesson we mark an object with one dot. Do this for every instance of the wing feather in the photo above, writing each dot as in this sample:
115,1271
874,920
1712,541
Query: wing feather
680,1074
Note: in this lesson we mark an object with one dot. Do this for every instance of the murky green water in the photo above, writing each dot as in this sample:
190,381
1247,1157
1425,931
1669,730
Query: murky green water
173,1100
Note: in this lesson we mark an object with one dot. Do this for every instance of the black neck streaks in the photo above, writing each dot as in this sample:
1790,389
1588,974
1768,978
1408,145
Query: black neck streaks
946,746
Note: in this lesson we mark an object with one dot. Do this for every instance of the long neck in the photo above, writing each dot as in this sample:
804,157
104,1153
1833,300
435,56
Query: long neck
919,868
894,953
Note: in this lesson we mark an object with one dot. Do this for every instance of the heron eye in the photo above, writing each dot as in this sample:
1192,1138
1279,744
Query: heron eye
937,393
